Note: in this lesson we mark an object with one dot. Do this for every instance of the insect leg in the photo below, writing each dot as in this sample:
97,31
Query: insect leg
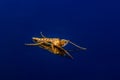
31,44
53,49
77,46
68,54
42,35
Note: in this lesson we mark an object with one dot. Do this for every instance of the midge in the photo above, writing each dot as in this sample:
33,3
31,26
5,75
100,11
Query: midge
54,45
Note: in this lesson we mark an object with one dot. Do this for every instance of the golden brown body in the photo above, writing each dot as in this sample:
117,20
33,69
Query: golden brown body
54,45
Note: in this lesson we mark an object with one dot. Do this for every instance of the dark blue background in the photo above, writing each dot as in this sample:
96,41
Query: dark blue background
89,23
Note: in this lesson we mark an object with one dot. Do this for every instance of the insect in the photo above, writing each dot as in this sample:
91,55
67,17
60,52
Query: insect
53,45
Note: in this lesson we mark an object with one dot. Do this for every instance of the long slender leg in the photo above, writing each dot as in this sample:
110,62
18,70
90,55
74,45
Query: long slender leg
42,35
77,46
69,55
32,44
65,52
